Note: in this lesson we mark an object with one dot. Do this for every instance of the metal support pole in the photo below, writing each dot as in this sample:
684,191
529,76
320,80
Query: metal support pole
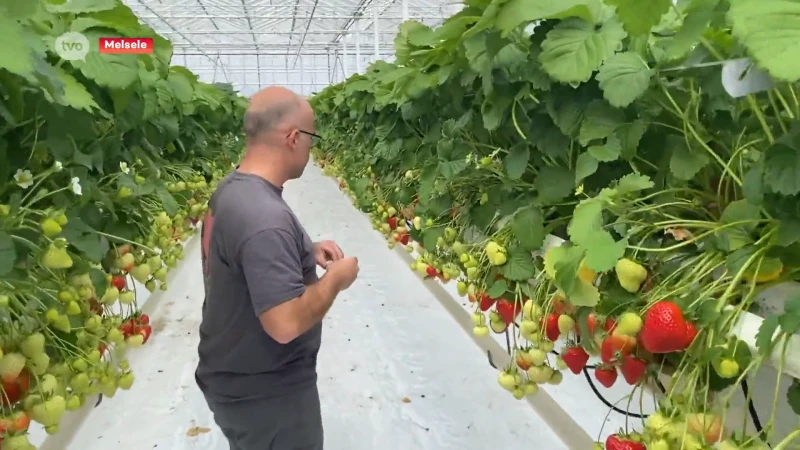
357,37
345,66
286,73
330,70
404,4
302,85
305,33
376,29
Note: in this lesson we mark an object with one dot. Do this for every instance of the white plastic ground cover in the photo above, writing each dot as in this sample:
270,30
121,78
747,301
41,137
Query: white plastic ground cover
396,372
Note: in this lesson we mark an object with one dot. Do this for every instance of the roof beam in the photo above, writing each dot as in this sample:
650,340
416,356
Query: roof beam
141,2
303,39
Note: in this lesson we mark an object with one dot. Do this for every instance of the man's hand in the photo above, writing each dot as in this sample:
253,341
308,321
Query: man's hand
344,271
327,251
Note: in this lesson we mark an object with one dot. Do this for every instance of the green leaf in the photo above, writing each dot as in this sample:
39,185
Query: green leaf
16,56
599,121
430,236
602,252
566,268
586,219
452,159
685,162
623,78
15,9
498,289
629,135
793,396
737,236
575,48
8,253
516,161
633,182
171,206
108,70
528,227
92,245
75,94
554,183
98,278
753,184
698,16
82,6
610,151
585,166
640,16
181,85
770,30
516,12
782,169
426,179
519,266
788,232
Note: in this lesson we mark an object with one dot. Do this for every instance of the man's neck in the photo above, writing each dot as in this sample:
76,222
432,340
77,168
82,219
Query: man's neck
263,167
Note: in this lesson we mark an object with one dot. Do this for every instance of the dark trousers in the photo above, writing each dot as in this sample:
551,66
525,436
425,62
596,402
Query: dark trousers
290,422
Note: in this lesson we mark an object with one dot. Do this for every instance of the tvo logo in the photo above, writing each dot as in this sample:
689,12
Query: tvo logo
72,46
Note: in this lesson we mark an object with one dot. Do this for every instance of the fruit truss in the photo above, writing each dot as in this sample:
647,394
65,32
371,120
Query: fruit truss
106,166
587,175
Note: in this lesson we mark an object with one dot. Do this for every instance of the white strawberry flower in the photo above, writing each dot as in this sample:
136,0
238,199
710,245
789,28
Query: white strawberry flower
76,186
24,178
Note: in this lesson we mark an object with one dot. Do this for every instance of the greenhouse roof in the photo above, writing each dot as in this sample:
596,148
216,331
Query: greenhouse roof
262,37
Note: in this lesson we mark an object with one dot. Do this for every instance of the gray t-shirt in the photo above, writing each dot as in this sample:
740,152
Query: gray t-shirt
259,256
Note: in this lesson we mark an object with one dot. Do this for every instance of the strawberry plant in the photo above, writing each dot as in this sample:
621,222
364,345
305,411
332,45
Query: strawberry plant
106,166
589,161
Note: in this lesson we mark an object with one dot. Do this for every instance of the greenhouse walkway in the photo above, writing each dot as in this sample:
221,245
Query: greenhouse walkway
396,371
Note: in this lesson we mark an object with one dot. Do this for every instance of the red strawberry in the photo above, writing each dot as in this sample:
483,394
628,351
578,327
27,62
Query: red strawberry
431,271
486,302
507,310
146,331
16,388
618,442
609,324
575,358
664,329
691,333
614,348
392,221
551,327
404,238
561,307
633,369
118,282
606,375
16,422
127,328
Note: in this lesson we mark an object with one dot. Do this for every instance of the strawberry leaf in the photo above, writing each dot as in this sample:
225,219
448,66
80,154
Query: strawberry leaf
765,334
8,253
519,266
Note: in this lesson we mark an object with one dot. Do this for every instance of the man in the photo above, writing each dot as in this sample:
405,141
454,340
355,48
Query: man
261,327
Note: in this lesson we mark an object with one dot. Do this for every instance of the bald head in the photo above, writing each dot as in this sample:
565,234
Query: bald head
272,109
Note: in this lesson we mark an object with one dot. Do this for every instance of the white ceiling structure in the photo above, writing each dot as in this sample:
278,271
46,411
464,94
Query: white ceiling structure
304,45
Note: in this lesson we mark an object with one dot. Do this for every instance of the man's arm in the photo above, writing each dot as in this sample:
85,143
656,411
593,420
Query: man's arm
274,275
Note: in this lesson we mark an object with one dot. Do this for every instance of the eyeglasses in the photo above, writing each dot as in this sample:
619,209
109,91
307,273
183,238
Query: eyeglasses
315,137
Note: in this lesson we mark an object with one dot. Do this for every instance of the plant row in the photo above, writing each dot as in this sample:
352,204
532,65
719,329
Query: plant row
666,187
106,167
